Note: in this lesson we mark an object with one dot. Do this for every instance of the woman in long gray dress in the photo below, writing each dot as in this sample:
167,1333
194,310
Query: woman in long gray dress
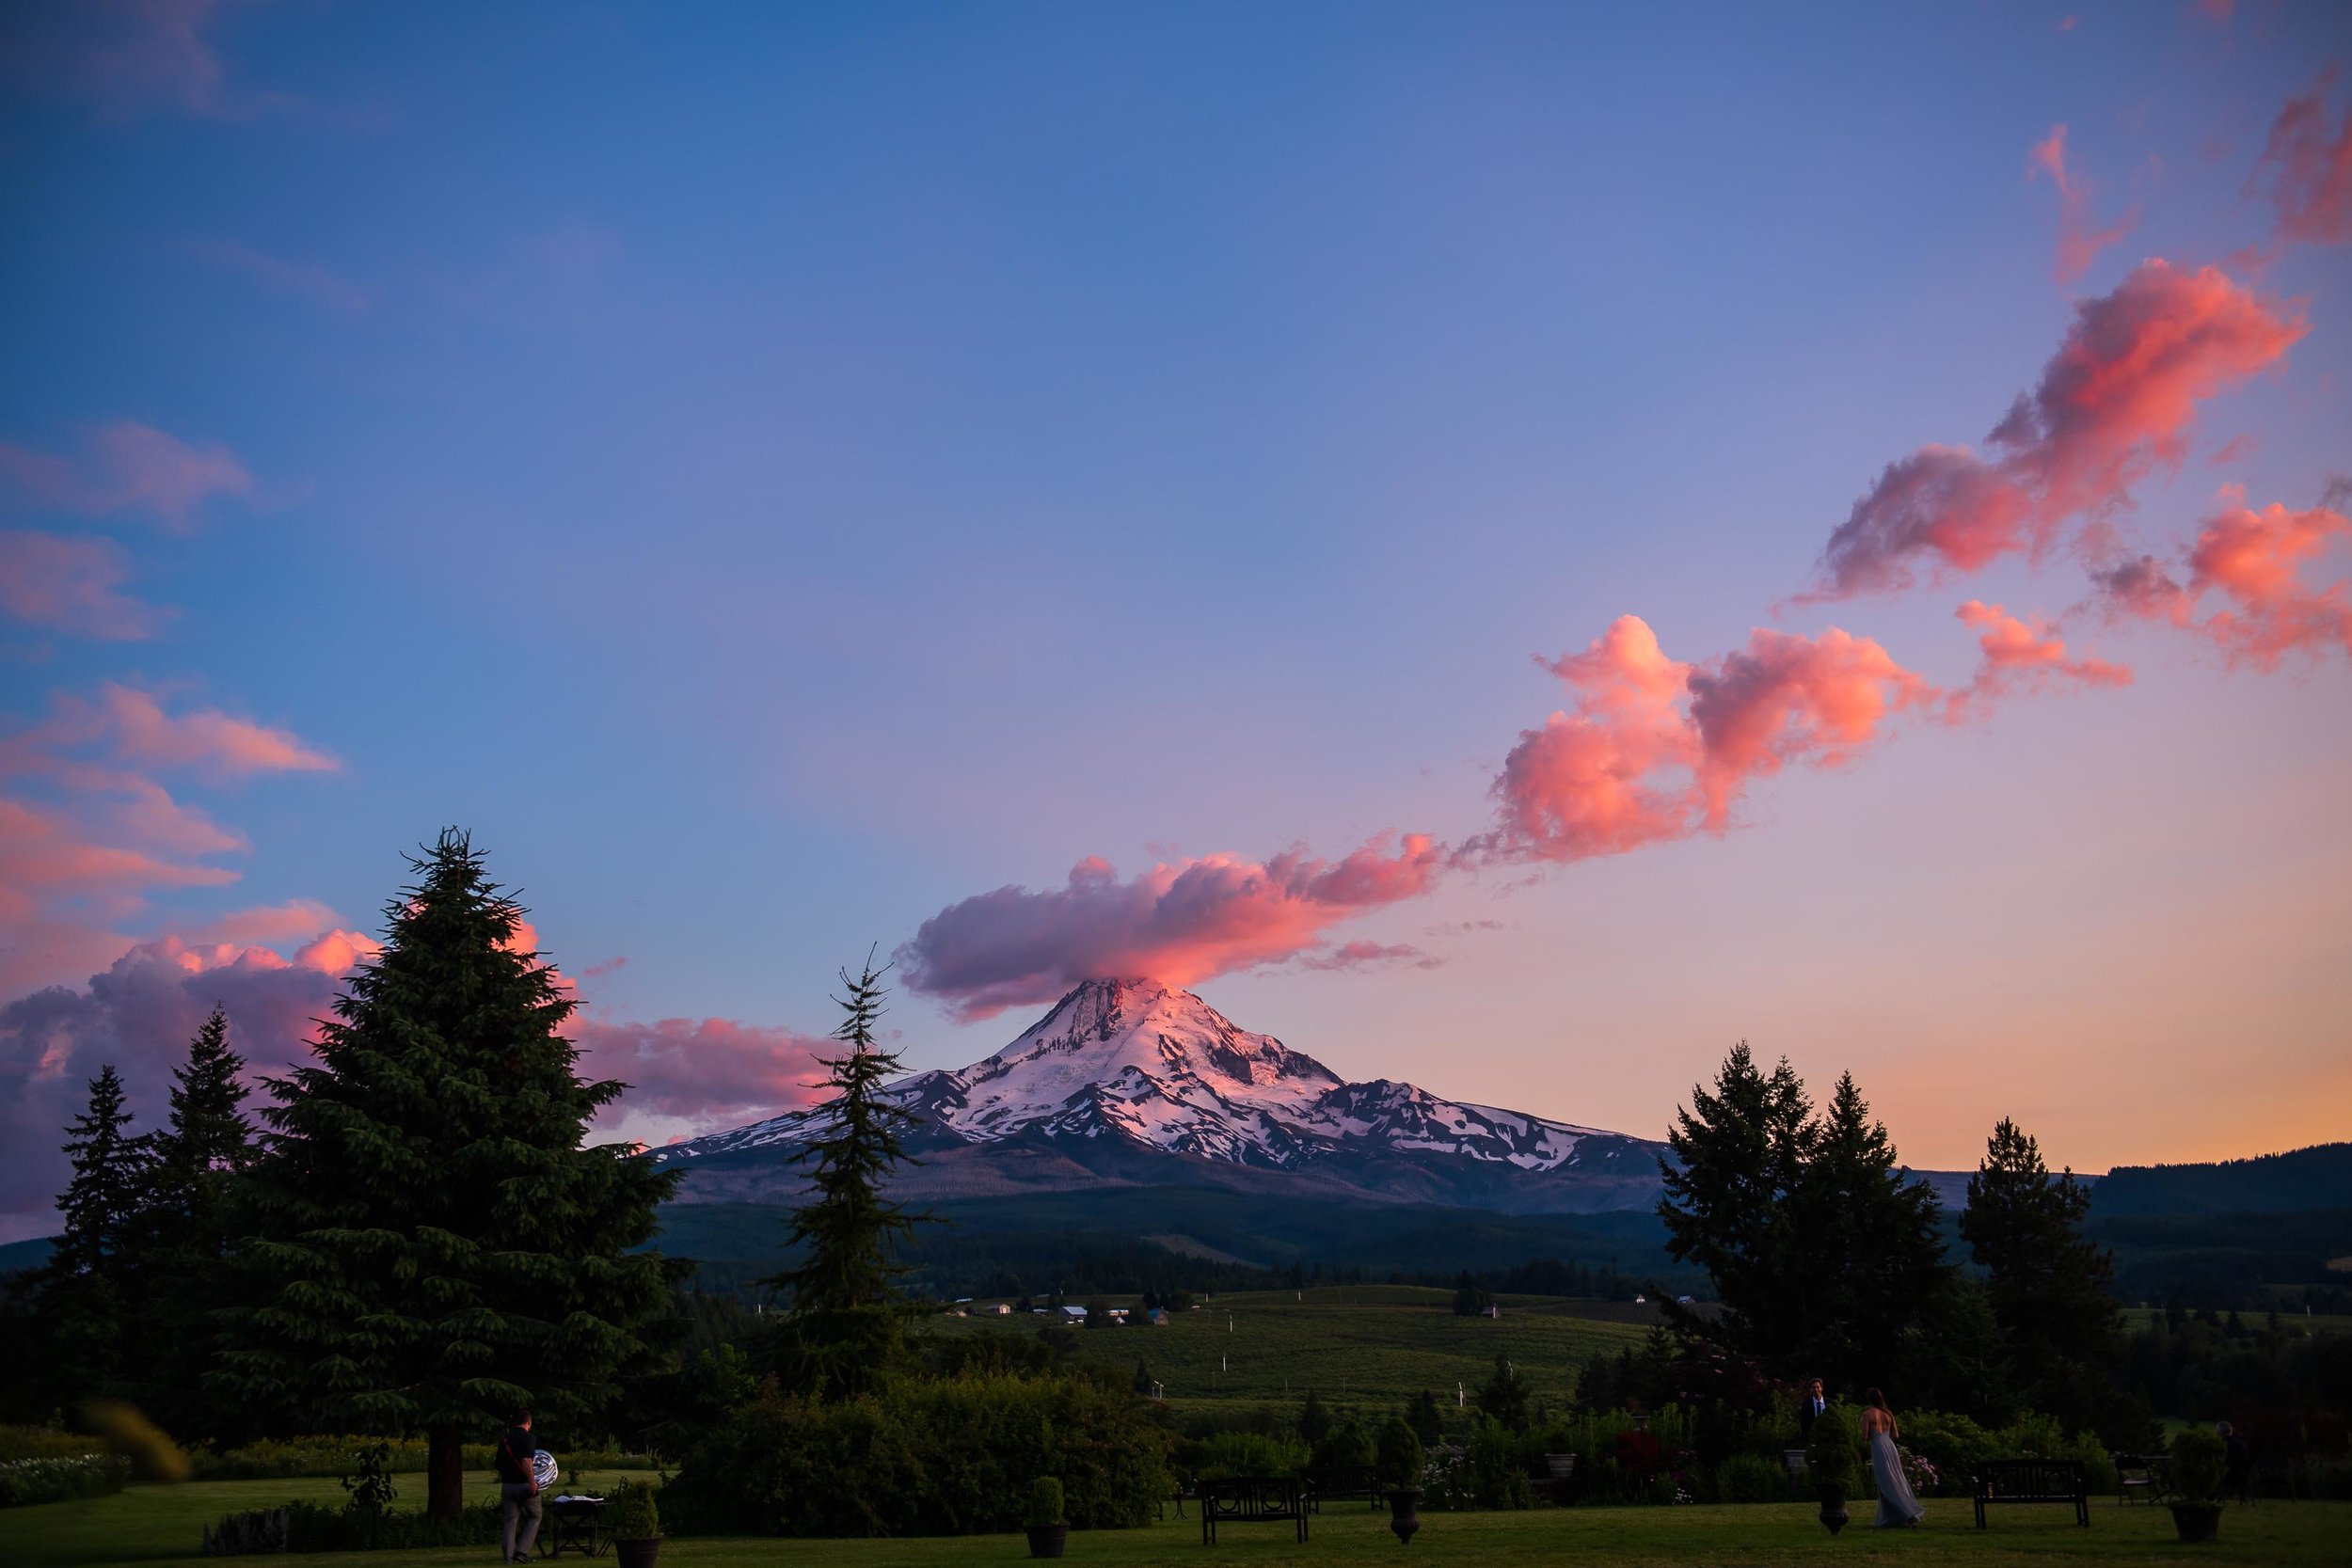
1898,1508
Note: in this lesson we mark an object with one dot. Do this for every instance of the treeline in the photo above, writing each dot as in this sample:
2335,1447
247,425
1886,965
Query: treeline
1830,1260
416,1240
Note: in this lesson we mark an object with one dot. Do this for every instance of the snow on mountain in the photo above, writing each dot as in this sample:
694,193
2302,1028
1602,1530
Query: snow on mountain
1158,1067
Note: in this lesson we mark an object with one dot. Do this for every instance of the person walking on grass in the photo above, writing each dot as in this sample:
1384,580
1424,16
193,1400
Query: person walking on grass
518,1489
1898,1508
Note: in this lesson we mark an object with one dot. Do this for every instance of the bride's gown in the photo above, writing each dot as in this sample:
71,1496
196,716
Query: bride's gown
1897,1505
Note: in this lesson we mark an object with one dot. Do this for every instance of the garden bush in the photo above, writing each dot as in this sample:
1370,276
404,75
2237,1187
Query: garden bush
950,1457
1751,1478
1491,1472
309,1527
277,1458
1244,1453
54,1479
46,1443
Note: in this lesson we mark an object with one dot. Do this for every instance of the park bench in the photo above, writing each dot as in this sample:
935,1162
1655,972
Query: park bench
2032,1480
1345,1486
1251,1500
2141,1476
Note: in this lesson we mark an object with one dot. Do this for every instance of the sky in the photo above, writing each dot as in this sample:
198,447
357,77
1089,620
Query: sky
1509,546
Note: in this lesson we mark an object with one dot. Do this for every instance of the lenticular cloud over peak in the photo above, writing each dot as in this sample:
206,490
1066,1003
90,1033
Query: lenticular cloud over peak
1174,923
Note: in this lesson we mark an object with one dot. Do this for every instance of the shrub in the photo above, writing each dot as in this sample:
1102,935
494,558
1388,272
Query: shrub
46,1443
2197,1458
309,1527
1489,1473
53,1481
1751,1478
1400,1457
1246,1454
950,1457
1833,1458
635,1515
1045,1504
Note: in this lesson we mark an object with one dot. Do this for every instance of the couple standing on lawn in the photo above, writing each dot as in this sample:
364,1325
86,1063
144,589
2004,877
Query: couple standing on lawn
1898,1509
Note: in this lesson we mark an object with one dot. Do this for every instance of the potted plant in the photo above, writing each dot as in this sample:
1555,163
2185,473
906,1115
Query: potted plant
1829,1459
1049,1532
636,1525
2198,1458
1399,1463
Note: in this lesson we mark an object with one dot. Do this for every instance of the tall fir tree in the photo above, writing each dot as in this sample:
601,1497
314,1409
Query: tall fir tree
846,1315
1739,1156
435,1244
1867,1241
84,1295
2049,1287
177,1249
108,1194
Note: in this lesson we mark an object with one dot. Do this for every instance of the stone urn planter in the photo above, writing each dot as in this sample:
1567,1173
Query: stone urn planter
2197,1521
1048,1540
1048,1531
1405,1512
636,1554
1834,1515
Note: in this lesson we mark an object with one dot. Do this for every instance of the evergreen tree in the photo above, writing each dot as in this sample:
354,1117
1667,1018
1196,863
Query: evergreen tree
434,1243
1426,1419
1314,1419
847,1313
178,1246
81,1301
2050,1289
1504,1397
1739,1157
1866,1238
104,1202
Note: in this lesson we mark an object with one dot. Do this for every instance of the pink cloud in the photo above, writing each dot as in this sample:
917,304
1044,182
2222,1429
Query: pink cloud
45,857
70,585
2254,563
2019,658
1179,923
2080,239
2216,11
1371,955
303,280
713,1071
127,467
132,727
2114,404
1656,749
2310,168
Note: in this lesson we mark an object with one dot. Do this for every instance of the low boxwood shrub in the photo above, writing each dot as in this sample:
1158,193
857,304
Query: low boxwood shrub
948,1457
53,1481
1243,1454
1751,1478
309,1526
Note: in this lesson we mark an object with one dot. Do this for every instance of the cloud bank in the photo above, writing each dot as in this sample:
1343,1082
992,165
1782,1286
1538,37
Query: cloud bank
2115,404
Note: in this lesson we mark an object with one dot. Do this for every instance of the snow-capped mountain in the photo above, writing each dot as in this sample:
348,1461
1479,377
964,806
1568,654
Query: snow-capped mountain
1140,1065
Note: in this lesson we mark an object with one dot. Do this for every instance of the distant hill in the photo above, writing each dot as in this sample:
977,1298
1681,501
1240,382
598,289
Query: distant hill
16,1257
2305,1181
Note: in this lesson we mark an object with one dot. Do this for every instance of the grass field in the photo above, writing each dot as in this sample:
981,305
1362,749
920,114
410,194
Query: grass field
158,1526
1369,1345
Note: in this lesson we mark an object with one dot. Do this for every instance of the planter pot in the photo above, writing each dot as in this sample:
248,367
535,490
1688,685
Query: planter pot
2197,1521
1834,1515
1048,1540
1405,1512
636,1554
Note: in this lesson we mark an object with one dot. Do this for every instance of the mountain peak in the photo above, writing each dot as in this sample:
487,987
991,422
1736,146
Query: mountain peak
1138,1060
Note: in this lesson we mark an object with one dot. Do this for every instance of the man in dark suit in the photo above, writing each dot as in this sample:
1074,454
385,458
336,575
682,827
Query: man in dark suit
1808,1408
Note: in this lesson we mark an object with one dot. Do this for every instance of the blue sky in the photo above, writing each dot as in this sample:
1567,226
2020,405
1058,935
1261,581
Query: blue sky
772,472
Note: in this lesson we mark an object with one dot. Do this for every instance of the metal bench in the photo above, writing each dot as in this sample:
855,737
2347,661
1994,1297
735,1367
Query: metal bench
1251,1500
2032,1480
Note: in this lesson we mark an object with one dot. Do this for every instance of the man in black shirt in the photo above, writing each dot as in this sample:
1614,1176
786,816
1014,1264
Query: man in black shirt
518,1488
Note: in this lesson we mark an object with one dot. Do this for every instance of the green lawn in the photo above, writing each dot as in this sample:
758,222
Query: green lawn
155,1526
1375,1345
